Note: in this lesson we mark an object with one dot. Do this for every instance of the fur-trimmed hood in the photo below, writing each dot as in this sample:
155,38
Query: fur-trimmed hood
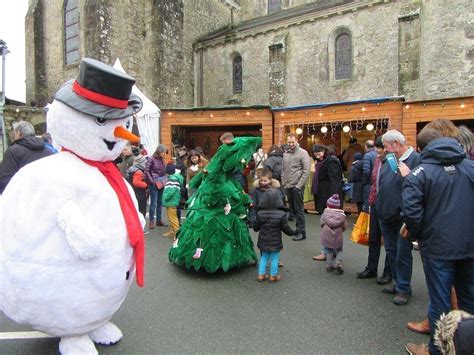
446,326
275,184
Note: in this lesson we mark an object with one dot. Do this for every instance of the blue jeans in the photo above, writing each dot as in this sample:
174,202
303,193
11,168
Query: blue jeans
274,257
399,256
440,276
155,203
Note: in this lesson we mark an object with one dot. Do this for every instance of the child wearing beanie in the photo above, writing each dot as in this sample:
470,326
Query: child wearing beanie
333,224
171,198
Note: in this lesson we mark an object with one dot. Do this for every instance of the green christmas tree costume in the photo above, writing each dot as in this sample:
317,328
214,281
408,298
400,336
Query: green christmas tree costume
215,233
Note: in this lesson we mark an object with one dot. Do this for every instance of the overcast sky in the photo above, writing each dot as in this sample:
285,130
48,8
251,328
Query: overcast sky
12,31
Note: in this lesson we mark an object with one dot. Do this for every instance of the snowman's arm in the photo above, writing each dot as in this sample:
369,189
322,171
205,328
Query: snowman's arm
84,239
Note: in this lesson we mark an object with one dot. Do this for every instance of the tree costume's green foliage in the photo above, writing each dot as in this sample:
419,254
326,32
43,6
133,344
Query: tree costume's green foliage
223,239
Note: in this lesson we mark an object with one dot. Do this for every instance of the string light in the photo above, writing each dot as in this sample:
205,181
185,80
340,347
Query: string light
282,114
363,108
169,113
346,128
299,130
320,114
248,113
462,104
407,106
370,127
211,115
324,129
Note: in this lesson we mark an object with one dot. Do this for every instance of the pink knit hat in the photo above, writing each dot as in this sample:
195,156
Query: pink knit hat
333,201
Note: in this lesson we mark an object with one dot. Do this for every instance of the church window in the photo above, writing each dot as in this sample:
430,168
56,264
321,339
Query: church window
343,56
237,74
274,6
71,32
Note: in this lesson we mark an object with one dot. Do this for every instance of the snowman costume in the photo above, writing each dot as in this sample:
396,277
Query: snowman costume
71,236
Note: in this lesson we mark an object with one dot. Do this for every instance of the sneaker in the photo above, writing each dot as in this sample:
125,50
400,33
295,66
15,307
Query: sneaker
389,289
161,224
339,269
384,280
260,278
299,237
366,274
401,298
329,268
415,349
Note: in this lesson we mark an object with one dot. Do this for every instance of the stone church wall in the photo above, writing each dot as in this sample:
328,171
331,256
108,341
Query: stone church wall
427,56
152,38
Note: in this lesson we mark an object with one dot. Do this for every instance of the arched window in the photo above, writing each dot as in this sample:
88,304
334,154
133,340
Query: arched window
343,56
237,74
274,6
71,32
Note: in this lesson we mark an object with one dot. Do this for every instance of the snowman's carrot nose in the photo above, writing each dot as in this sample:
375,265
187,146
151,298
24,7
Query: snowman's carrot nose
121,132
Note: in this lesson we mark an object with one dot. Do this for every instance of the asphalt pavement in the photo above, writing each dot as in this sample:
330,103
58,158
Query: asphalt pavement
309,312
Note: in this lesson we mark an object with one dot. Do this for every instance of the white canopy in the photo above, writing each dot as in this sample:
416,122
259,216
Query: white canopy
148,119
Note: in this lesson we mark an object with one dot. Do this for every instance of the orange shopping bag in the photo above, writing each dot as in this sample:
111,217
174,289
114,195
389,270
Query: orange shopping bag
360,232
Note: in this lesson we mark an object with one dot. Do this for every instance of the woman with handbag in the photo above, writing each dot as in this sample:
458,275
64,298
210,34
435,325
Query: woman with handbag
155,175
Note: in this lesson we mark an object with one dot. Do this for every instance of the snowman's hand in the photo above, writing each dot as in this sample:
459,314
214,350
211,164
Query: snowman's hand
84,239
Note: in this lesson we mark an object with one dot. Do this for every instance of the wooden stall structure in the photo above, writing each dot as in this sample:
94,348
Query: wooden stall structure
202,126
417,114
333,124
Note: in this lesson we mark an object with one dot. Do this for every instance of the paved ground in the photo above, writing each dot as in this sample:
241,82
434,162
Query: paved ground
308,312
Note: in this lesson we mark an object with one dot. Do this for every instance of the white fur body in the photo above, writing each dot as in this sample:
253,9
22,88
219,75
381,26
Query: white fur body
57,283
64,247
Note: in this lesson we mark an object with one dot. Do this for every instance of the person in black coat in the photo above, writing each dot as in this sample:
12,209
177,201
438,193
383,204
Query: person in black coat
25,149
271,221
327,178
355,177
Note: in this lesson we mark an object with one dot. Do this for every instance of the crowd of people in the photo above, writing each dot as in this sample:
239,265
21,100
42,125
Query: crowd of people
425,199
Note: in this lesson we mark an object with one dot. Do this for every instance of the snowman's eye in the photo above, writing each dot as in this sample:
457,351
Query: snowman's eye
127,125
100,121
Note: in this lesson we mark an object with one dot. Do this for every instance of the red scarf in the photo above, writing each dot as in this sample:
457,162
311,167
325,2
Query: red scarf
130,214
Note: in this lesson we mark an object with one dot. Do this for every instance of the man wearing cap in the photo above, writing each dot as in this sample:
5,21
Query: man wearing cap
295,172
25,149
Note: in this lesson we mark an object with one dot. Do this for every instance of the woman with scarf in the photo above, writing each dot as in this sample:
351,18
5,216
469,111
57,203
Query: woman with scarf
327,178
327,181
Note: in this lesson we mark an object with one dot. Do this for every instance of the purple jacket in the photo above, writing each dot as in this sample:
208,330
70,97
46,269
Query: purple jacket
333,224
154,168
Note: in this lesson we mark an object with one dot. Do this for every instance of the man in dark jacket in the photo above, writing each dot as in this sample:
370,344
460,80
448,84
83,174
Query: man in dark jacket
438,210
25,149
389,206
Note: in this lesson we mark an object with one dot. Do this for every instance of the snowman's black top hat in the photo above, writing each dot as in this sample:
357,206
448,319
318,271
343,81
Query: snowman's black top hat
100,91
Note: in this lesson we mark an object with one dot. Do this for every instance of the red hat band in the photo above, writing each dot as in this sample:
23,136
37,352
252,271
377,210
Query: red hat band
98,98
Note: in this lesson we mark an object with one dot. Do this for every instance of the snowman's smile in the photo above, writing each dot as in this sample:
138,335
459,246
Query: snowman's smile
110,145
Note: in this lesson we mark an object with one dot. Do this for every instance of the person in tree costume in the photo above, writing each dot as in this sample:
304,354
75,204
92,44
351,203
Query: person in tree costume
215,233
